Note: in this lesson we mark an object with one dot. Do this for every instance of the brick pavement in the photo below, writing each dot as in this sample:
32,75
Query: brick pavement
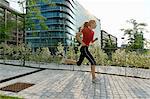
62,84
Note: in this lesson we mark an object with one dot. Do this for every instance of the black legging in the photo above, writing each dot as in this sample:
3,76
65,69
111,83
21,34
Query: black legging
85,53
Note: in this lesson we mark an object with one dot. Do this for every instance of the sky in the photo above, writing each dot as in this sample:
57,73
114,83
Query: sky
114,13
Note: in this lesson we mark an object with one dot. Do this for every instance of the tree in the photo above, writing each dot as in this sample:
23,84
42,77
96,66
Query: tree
135,34
6,29
109,47
33,11
33,16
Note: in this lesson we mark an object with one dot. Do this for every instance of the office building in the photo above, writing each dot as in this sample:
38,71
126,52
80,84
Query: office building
106,37
7,15
63,20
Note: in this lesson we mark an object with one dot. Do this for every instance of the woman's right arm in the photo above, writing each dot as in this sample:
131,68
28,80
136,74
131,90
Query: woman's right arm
79,38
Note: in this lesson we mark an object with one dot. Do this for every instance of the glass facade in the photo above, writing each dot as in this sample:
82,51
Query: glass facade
63,20
60,20
105,36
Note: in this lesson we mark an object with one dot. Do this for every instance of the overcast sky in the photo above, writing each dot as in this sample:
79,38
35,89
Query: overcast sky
114,13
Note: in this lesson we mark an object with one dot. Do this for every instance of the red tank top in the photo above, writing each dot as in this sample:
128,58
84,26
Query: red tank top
88,35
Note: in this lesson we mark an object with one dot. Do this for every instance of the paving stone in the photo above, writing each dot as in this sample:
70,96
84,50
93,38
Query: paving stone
8,71
63,84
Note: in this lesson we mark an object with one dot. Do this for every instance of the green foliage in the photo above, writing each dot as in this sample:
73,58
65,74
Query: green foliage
25,52
16,54
41,55
132,59
101,58
135,35
147,53
138,60
70,53
4,48
34,14
60,49
19,52
118,58
109,48
22,52
9,97
6,29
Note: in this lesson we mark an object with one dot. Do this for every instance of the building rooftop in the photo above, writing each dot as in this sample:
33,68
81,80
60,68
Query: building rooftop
9,8
4,2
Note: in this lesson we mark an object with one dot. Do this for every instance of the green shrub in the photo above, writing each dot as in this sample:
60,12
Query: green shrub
8,97
101,58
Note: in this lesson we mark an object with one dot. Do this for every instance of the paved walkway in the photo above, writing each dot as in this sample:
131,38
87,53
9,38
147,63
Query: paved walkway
63,84
8,71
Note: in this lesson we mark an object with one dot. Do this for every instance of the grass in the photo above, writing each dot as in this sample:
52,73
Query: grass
8,97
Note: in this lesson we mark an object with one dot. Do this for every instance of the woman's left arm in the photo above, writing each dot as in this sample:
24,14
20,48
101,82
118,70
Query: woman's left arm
94,40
